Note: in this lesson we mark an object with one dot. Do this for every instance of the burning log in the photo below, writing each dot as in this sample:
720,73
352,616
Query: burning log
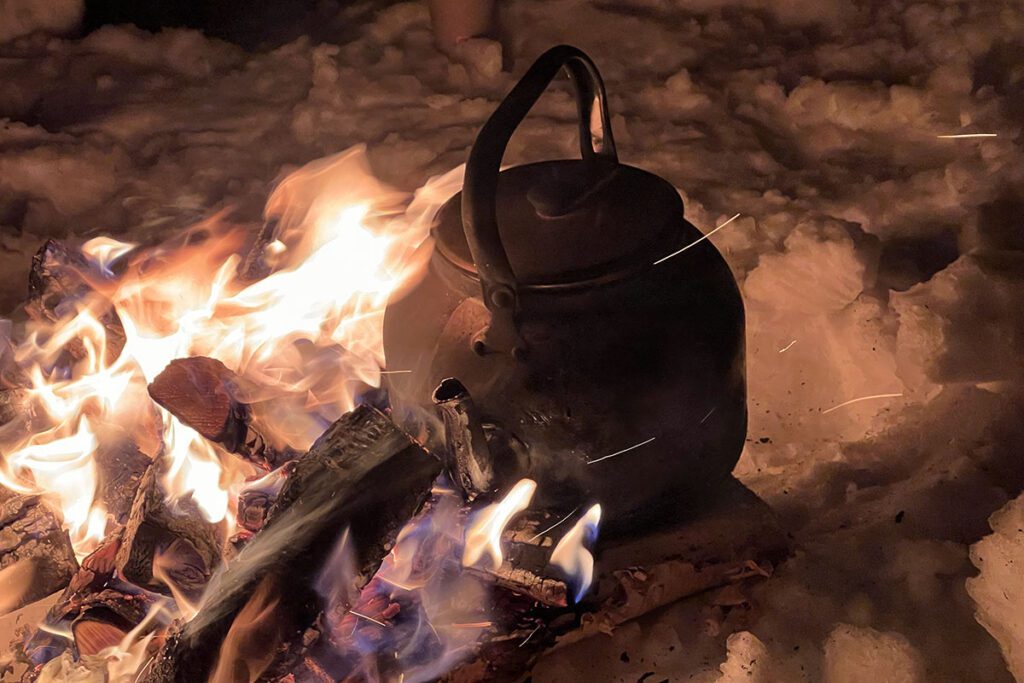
167,542
363,474
203,393
56,283
120,466
32,537
99,609
731,537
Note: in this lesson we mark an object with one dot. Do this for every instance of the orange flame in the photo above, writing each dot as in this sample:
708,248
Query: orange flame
307,337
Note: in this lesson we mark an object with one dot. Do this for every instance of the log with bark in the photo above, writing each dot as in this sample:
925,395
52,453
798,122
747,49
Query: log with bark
32,538
364,475
205,395
168,541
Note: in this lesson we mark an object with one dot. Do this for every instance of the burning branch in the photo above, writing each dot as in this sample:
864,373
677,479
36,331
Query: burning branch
364,474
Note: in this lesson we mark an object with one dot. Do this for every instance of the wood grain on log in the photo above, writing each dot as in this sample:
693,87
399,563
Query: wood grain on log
204,394
363,474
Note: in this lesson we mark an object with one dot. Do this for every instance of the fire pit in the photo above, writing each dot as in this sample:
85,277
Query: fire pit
232,500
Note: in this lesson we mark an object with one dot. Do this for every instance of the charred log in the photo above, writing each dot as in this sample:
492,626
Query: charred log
203,393
167,541
120,466
31,534
363,474
99,609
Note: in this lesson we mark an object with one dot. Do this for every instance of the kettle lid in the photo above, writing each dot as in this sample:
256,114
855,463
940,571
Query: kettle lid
568,221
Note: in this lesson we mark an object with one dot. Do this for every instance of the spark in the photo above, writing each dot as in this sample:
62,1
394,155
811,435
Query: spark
624,450
395,372
697,241
858,400
555,524
961,136
787,346
363,616
705,418
475,624
531,635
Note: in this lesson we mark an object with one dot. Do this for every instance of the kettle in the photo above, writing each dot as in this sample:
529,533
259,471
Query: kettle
596,366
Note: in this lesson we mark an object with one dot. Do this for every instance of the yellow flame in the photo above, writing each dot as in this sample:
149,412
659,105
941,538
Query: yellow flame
571,554
304,338
484,535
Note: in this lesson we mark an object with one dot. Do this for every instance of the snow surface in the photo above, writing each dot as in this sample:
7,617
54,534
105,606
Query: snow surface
876,258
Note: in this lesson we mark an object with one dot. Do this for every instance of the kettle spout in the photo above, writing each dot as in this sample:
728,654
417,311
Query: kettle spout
468,456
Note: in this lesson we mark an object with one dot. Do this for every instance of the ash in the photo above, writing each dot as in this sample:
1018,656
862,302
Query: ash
879,261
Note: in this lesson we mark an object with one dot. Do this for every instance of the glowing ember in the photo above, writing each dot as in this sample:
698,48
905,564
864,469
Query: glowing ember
307,337
484,536
571,554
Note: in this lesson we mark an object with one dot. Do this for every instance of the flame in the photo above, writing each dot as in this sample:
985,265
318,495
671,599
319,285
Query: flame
484,535
307,338
571,554
105,252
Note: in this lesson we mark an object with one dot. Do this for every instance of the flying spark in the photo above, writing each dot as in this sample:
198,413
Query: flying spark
363,616
787,346
697,241
530,636
858,400
962,136
555,524
624,450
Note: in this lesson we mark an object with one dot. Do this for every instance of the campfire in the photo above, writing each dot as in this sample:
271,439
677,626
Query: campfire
209,452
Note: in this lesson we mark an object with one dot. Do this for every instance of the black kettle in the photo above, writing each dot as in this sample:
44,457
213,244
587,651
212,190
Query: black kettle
596,366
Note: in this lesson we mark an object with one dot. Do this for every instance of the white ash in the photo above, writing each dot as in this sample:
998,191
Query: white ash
886,253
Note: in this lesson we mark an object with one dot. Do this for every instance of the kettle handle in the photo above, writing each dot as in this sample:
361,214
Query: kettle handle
479,191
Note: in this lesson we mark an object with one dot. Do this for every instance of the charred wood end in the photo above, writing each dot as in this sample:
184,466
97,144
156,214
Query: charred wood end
203,393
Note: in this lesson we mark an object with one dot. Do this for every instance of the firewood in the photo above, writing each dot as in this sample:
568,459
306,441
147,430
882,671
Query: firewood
120,466
203,393
96,607
58,284
729,537
363,474
31,533
187,546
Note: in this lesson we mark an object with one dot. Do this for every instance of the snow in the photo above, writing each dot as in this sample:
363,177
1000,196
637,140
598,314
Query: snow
999,588
876,257
24,17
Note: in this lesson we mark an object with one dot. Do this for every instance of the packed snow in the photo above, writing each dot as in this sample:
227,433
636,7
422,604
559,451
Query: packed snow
879,260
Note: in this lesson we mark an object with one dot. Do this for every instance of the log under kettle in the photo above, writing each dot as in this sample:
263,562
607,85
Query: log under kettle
596,367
